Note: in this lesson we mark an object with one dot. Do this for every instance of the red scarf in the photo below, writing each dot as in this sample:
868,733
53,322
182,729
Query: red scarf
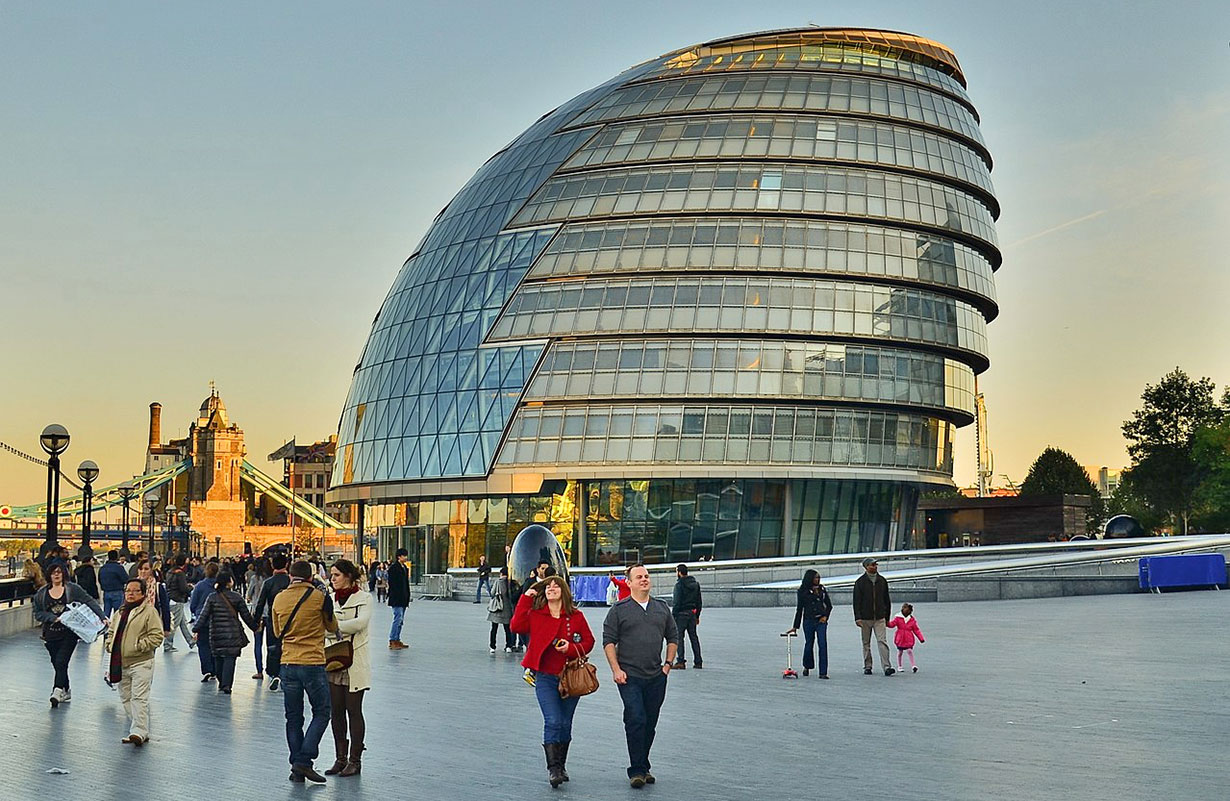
341,595
116,668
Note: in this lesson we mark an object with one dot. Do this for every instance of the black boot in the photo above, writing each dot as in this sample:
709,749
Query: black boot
553,772
563,759
340,763
355,765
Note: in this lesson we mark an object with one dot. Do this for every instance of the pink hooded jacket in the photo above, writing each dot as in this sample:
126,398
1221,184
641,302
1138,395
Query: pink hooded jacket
907,630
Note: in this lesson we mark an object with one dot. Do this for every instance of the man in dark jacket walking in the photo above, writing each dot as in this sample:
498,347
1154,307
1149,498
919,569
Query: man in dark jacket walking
179,590
685,607
273,585
86,574
399,597
484,579
871,609
111,578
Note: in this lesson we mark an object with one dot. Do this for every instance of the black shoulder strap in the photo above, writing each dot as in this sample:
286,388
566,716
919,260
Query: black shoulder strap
228,603
294,611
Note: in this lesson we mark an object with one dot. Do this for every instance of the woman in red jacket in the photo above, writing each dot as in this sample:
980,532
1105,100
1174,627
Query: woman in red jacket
558,632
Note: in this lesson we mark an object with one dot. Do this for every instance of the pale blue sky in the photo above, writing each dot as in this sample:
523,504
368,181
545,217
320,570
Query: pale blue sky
225,191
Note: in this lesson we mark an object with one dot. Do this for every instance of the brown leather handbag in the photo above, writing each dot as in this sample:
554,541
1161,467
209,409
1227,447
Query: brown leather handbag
578,677
339,656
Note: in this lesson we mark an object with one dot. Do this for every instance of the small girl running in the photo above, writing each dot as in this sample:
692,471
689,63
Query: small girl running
907,630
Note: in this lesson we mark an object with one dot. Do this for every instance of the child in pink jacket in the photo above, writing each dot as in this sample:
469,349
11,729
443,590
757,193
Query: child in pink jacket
907,630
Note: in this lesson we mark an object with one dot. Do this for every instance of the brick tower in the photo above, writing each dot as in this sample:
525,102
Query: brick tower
217,448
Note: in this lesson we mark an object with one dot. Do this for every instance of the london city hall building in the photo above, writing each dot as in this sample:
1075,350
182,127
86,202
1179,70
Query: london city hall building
728,304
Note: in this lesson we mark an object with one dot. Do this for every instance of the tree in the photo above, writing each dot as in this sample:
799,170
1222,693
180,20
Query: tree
1126,501
1056,472
1161,437
1211,452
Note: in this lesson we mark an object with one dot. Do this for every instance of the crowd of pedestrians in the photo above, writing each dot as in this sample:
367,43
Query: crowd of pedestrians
290,608
311,629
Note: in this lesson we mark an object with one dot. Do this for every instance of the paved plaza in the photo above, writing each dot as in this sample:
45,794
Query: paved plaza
1113,697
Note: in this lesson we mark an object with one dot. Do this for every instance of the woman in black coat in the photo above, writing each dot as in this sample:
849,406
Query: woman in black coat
812,611
222,613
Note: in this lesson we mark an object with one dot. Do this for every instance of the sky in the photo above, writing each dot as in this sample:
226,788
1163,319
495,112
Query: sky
225,192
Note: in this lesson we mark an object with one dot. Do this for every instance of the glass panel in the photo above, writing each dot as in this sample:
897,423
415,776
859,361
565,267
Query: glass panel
728,434
893,313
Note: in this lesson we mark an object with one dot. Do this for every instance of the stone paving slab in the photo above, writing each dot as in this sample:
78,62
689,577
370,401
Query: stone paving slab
1111,697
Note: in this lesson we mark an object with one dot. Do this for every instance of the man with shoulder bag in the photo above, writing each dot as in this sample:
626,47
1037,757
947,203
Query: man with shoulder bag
302,615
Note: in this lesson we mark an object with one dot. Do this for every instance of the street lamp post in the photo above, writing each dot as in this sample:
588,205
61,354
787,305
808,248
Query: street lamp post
87,471
54,441
168,533
127,491
217,546
151,502
183,529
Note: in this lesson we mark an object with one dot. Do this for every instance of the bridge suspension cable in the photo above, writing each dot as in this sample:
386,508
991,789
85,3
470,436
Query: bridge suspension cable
38,461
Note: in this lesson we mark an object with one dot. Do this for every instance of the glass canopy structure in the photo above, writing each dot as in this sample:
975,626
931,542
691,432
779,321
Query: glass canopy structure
728,304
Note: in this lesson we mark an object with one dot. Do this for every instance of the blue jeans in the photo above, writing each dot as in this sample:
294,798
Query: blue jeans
642,702
556,712
296,680
478,591
815,631
399,616
206,655
112,600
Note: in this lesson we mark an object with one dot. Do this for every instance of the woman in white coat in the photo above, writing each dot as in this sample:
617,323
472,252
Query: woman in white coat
352,605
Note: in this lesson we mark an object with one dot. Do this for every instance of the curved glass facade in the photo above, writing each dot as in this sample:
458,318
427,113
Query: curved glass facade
755,244
869,97
747,368
730,303
769,188
833,139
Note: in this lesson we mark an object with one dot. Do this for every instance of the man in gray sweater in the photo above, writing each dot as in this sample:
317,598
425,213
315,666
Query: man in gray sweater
632,638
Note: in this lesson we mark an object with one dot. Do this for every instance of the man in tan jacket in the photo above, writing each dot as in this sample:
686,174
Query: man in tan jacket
133,636
301,616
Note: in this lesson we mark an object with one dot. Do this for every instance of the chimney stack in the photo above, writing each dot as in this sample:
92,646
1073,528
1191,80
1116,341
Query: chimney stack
155,425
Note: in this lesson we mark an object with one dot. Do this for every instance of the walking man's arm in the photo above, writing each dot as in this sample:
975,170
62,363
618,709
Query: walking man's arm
612,660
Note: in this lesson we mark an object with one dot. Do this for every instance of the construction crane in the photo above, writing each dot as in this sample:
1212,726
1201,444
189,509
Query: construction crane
986,459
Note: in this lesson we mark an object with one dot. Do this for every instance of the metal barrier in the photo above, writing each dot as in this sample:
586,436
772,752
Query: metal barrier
437,586
16,590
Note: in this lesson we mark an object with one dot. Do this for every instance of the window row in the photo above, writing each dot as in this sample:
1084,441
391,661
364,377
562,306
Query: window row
796,306
798,92
726,434
712,368
817,138
746,188
828,56
764,244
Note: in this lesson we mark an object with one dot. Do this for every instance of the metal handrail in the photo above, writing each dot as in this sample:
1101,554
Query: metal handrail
980,552
16,590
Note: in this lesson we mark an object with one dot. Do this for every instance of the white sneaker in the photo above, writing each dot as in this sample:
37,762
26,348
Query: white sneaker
914,669
507,650
492,650
66,696
57,695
